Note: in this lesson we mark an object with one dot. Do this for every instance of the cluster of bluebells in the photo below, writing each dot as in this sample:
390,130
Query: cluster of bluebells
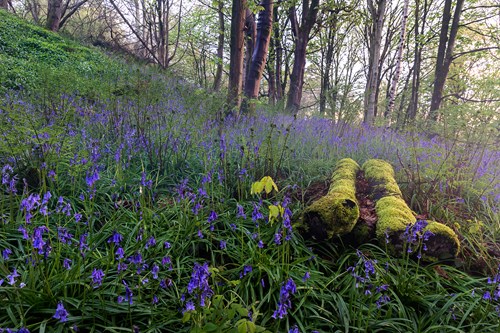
365,275
11,330
9,179
287,290
198,287
414,236
493,294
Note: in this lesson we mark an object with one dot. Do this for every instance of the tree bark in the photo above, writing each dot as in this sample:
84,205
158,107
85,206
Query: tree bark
258,61
54,10
4,4
220,48
236,55
251,32
445,54
397,70
301,33
375,40
325,75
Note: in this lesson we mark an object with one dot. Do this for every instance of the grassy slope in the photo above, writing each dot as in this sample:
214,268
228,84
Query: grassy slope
151,129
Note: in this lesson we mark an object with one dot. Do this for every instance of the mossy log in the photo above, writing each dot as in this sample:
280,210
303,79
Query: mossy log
443,244
394,217
337,212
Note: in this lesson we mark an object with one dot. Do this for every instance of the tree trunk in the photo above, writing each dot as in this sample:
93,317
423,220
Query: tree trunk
325,79
373,71
256,67
4,4
54,10
445,54
279,58
397,70
220,48
236,55
251,32
309,14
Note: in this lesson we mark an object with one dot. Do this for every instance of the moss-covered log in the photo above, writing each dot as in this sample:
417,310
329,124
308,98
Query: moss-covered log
337,212
395,219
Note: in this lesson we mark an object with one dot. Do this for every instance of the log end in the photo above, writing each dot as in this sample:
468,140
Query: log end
332,215
443,244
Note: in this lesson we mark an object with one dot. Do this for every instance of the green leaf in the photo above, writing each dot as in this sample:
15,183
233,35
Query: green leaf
210,327
186,317
257,187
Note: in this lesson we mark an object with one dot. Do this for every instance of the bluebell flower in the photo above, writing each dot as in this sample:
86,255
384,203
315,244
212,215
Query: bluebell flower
6,253
246,269
64,236
241,212
151,242
212,217
167,245
120,253
97,275
306,277
154,271
61,313
294,329
198,285
12,277
115,238
223,244
287,289
67,263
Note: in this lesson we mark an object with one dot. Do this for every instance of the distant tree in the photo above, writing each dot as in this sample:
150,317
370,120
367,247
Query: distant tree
220,46
301,34
447,39
258,60
59,11
399,58
236,54
376,10
4,4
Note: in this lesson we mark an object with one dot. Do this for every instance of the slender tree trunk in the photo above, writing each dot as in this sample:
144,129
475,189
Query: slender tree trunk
54,10
236,55
325,80
251,32
309,14
256,67
372,85
220,48
279,57
397,70
445,53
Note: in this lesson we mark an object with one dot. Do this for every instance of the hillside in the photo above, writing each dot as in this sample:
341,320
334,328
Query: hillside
128,204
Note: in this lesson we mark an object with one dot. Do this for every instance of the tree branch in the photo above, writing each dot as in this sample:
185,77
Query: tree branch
457,55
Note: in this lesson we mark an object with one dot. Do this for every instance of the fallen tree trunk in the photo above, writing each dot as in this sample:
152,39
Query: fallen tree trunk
337,212
389,219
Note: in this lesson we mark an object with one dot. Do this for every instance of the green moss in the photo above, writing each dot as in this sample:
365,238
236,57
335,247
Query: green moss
444,243
394,215
378,169
336,213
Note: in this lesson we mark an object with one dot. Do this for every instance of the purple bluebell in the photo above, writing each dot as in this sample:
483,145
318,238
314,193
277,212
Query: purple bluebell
61,313
115,238
241,212
97,276
222,244
64,236
306,277
67,263
198,285
151,242
12,277
212,217
284,304
120,253
154,271
167,245
6,253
